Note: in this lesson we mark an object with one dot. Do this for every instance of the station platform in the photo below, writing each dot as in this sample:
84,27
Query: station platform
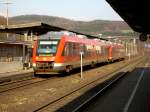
6,67
130,94
13,71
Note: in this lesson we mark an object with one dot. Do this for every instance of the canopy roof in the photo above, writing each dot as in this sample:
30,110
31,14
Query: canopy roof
134,12
36,28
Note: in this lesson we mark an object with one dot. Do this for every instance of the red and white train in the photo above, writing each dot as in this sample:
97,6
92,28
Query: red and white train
56,52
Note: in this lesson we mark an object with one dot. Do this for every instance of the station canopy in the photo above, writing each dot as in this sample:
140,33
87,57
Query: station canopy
134,12
36,28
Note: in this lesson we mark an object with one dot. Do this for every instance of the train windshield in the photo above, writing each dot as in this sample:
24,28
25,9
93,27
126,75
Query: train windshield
47,47
48,43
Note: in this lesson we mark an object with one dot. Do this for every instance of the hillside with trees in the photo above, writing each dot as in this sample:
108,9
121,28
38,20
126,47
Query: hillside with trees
87,27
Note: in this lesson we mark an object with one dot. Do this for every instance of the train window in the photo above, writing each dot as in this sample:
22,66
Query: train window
98,50
88,50
69,49
47,47
66,50
105,51
76,49
83,48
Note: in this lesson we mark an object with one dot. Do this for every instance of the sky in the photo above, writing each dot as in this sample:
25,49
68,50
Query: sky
84,10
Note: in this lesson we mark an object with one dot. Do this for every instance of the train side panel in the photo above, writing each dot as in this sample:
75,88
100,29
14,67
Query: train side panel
116,52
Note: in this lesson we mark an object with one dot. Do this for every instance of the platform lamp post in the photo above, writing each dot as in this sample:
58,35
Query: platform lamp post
7,14
6,2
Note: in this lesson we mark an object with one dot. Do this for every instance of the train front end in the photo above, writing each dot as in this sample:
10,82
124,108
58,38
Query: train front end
45,54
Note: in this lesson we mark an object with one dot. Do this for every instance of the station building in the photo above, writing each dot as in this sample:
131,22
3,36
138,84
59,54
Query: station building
14,47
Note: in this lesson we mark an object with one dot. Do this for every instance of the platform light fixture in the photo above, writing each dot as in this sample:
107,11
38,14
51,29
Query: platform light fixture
7,3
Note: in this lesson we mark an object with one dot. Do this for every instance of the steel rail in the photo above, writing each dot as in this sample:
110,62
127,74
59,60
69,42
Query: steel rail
19,85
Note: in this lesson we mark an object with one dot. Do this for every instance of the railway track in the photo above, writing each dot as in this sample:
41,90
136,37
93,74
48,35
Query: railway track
21,83
106,84
12,82
7,86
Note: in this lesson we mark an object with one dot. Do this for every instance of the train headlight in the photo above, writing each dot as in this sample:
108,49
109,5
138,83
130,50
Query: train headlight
44,59
34,64
37,58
